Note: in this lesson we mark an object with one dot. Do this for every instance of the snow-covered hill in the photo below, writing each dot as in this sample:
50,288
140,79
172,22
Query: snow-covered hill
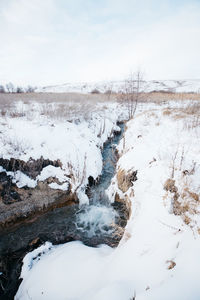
179,86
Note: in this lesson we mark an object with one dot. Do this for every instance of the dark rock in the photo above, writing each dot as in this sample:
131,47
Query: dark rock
31,168
8,194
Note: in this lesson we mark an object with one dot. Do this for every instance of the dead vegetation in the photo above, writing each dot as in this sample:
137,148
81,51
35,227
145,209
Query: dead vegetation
189,114
69,107
125,179
167,112
185,203
9,99
159,97
171,264
77,175
70,103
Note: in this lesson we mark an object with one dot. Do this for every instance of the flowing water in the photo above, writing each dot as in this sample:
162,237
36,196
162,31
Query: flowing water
96,218
90,224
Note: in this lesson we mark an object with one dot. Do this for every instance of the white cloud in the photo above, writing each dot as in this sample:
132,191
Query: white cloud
55,41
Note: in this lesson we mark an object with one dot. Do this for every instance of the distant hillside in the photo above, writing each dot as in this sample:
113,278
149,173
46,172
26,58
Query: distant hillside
176,86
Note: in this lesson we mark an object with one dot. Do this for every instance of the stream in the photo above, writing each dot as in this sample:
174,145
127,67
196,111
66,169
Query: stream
90,224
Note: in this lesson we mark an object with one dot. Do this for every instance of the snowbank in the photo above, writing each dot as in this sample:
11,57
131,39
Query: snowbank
75,142
158,257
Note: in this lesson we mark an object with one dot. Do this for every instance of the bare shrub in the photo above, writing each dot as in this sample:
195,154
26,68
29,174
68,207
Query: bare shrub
95,91
2,89
167,112
16,145
77,175
108,92
192,108
10,87
102,128
134,297
19,90
131,93
17,114
3,113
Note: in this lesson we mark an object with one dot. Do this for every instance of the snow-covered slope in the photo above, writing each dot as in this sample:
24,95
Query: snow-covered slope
35,130
158,258
179,86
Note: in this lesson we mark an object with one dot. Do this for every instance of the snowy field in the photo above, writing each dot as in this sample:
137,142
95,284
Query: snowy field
176,86
158,257
71,132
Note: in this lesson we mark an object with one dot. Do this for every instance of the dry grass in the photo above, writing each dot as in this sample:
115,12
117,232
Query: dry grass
190,114
70,106
56,106
55,97
193,108
187,220
189,194
185,204
159,97
94,98
123,180
167,112
171,264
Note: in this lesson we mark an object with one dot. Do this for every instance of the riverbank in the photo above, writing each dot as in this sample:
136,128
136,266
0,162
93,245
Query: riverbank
44,186
158,255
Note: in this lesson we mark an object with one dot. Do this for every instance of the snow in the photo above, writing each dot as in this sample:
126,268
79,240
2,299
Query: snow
77,142
51,171
179,86
63,187
22,180
154,237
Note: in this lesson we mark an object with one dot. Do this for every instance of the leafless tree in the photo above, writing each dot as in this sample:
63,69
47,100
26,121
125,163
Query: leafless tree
30,89
108,89
95,91
19,90
10,87
2,89
131,92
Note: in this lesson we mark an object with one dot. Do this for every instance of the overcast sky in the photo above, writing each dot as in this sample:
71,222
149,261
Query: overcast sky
47,42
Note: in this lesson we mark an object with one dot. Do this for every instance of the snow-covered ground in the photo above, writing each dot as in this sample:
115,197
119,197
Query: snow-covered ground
179,86
35,130
158,257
